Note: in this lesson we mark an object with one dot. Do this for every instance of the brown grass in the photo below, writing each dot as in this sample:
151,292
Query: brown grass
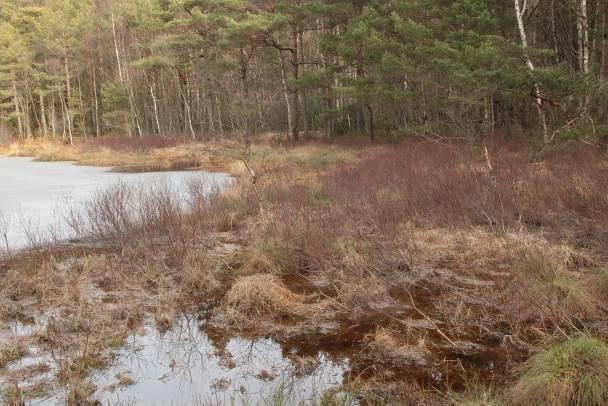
123,154
155,153
412,249
267,257
547,292
389,344
435,221
254,301
11,352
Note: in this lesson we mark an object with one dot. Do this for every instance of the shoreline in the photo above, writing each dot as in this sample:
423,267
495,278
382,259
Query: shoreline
176,157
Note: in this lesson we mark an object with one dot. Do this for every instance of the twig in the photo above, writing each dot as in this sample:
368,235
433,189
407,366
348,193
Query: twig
420,312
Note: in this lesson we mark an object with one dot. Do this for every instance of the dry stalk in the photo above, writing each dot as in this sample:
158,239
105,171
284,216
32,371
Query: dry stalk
435,326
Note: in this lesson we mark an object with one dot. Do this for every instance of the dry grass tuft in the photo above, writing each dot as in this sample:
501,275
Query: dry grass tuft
360,294
11,352
549,291
199,273
267,257
601,280
476,393
390,345
266,296
81,394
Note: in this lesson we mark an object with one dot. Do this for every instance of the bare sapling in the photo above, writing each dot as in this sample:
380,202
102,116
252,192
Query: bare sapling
5,224
246,125
245,158
31,230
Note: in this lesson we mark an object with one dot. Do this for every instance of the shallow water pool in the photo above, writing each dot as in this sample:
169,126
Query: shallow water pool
34,195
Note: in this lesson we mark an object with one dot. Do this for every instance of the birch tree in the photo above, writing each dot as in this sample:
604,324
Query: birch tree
520,11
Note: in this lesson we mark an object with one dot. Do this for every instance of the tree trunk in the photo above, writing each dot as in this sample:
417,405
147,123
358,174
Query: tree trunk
554,31
96,104
29,113
372,132
286,93
25,108
120,75
295,122
82,113
53,117
583,40
605,40
537,90
43,115
326,90
68,121
155,103
219,113
66,103
302,99
583,37
209,108
124,79
188,116
17,110
243,67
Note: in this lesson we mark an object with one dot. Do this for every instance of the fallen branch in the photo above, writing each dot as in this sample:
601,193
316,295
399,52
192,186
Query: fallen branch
427,318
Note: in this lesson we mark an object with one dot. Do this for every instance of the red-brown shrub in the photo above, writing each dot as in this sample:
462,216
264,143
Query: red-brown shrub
431,184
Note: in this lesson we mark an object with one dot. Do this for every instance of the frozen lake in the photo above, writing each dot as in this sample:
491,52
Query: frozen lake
33,195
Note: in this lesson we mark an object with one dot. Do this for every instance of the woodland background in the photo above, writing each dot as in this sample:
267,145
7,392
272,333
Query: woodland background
212,68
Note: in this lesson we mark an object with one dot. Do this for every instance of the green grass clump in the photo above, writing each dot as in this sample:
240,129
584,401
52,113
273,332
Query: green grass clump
572,373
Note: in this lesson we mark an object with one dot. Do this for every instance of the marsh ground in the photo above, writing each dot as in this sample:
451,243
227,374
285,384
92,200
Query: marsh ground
443,272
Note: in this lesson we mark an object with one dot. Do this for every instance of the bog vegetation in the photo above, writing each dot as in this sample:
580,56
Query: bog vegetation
460,256
448,273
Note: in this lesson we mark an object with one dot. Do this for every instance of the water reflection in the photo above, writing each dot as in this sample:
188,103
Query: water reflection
184,366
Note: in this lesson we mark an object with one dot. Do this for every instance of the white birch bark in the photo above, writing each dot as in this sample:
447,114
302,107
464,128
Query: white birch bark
286,92
519,12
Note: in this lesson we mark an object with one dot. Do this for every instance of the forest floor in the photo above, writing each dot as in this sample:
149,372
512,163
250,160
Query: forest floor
446,273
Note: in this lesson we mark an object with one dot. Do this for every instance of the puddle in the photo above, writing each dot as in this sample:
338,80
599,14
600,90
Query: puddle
19,329
184,366
35,371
